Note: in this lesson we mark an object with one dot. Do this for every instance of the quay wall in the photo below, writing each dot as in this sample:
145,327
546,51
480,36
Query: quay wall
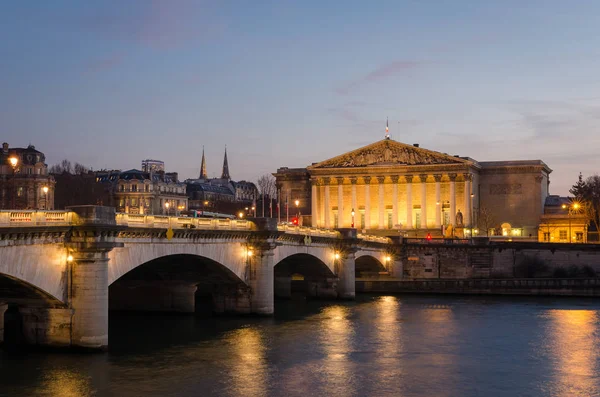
534,287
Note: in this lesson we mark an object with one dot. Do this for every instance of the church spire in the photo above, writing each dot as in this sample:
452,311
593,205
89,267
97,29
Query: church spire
203,173
225,173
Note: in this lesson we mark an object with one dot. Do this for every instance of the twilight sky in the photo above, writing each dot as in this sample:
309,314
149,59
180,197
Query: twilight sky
287,83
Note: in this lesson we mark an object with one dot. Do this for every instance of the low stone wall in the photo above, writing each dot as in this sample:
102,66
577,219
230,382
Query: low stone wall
556,287
493,259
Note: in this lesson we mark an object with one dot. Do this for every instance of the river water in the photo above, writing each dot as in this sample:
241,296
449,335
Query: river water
375,346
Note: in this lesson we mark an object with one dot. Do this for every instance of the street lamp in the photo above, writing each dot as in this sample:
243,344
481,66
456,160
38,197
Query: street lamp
13,163
240,214
45,190
352,218
570,208
297,202
167,207
471,215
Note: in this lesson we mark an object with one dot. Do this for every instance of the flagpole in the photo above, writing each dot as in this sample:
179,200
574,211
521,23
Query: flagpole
278,205
287,209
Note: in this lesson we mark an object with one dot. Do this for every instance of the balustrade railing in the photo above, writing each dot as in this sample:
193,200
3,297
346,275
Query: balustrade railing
25,218
176,222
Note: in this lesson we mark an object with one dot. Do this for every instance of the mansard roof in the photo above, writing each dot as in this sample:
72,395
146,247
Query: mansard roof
391,153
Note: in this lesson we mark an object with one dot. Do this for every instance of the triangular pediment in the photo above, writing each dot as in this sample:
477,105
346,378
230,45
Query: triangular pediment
388,152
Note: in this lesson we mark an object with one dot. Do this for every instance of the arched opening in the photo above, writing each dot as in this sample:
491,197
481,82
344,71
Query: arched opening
180,283
15,295
304,275
368,266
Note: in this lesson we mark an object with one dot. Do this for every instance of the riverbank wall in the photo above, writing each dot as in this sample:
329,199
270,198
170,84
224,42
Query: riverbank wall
535,287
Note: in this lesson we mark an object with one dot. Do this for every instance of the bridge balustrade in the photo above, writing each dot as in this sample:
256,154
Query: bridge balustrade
309,231
35,218
375,239
175,222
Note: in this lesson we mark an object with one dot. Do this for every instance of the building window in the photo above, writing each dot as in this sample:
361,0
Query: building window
389,220
20,191
134,202
335,220
579,237
417,218
29,171
547,237
122,188
147,188
121,203
134,188
362,220
562,234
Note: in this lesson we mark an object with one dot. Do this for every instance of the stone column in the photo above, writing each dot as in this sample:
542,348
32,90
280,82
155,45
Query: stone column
409,204
381,205
452,199
423,178
314,206
438,201
327,207
394,200
345,265
260,275
367,202
262,278
467,200
354,207
341,222
91,240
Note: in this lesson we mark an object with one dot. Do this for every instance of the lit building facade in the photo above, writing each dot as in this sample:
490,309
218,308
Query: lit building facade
138,192
24,179
389,185
563,221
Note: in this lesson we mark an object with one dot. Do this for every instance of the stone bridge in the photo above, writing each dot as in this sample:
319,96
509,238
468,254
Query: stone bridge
60,271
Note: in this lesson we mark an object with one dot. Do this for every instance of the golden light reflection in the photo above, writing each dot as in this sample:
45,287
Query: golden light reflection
67,383
389,339
573,347
336,342
249,377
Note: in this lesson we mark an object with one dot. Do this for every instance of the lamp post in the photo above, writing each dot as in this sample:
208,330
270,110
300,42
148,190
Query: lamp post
13,163
297,202
45,190
471,215
167,207
352,218
570,208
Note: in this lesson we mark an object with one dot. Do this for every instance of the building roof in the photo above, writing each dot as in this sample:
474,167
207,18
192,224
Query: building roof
388,152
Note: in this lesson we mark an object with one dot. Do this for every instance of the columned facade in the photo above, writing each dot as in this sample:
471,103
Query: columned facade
420,192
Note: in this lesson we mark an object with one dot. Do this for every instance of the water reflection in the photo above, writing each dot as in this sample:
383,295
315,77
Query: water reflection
573,348
389,343
335,335
250,368
66,383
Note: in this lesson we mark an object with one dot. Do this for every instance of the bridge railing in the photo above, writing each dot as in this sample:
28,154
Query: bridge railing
27,218
308,231
375,239
176,222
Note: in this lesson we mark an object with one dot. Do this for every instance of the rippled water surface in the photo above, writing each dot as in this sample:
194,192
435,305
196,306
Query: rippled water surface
376,346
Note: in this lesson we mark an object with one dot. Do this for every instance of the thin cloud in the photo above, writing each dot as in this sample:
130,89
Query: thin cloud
157,24
381,73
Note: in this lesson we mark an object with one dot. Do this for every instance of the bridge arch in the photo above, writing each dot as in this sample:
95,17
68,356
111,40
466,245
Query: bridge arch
366,263
35,271
230,255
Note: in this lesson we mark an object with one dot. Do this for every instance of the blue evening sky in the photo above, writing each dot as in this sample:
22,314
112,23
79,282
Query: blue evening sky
288,83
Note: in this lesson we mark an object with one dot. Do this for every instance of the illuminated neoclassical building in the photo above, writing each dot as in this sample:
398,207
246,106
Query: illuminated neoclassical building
390,185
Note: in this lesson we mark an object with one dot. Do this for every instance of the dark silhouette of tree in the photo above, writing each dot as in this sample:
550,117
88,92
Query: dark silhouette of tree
587,194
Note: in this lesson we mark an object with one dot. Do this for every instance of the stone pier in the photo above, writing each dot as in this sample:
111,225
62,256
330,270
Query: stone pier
345,266
259,262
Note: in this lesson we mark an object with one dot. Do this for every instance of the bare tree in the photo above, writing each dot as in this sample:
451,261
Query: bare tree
485,219
80,169
267,189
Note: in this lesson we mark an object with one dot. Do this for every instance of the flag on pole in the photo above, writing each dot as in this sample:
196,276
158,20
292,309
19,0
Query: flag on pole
387,128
